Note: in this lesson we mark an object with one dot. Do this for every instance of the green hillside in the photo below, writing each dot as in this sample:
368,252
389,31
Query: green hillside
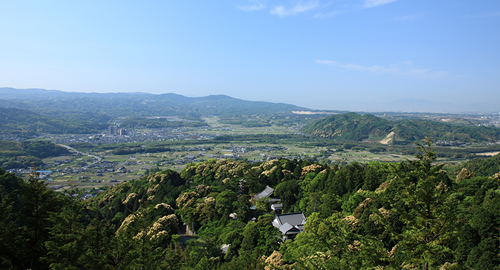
101,107
356,127
479,166
25,154
349,126
26,123
404,215
158,123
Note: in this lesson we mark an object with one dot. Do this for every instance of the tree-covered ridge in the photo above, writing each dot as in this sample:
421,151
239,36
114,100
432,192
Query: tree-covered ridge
126,198
356,127
406,215
112,105
479,166
25,123
349,126
134,122
25,154
417,130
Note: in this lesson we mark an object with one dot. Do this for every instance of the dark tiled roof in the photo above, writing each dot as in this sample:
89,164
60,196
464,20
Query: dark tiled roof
293,219
289,224
267,192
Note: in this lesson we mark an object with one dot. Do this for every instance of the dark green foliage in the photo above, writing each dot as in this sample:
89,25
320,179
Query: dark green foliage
333,244
37,205
98,239
9,183
359,216
64,246
7,231
226,203
478,237
432,211
417,130
247,260
135,122
122,150
349,126
25,154
25,123
481,166
43,149
288,191
372,179
355,127
261,236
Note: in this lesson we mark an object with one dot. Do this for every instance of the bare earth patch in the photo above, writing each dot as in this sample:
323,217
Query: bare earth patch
488,154
387,138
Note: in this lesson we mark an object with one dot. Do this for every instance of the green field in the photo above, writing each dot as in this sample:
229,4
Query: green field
253,144
137,164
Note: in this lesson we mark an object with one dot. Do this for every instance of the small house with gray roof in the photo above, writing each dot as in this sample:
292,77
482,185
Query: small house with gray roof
266,193
290,224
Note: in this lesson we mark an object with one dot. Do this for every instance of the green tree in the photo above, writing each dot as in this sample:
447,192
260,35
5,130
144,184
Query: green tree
430,213
38,203
226,203
64,247
261,236
243,208
332,244
288,191
7,231
9,204
99,242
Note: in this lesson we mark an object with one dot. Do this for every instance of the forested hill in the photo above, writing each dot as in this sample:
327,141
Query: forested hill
349,126
26,154
104,106
356,127
480,166
405,215
25,123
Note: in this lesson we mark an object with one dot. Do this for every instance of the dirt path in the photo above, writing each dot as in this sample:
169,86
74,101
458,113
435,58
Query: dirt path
78,152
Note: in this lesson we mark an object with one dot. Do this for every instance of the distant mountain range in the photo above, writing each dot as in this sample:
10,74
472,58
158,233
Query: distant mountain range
102,107
213,104
26,112
357,127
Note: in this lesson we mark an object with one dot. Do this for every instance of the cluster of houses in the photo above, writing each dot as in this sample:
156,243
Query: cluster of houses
451,143
289,224
98,167
153,135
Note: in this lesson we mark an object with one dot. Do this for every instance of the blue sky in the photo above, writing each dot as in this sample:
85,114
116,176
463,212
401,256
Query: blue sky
318,54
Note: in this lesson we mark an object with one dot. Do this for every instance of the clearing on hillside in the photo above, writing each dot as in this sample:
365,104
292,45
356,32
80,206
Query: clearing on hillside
388,138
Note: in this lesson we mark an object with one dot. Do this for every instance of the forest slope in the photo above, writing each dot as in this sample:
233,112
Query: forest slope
404,215
356,127
26,123
104,106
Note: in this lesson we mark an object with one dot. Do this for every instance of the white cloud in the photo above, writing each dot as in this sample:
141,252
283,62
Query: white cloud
300,7
253,6
374,3
405,68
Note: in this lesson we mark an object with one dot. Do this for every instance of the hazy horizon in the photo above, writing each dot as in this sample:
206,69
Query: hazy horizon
335,55
410,105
